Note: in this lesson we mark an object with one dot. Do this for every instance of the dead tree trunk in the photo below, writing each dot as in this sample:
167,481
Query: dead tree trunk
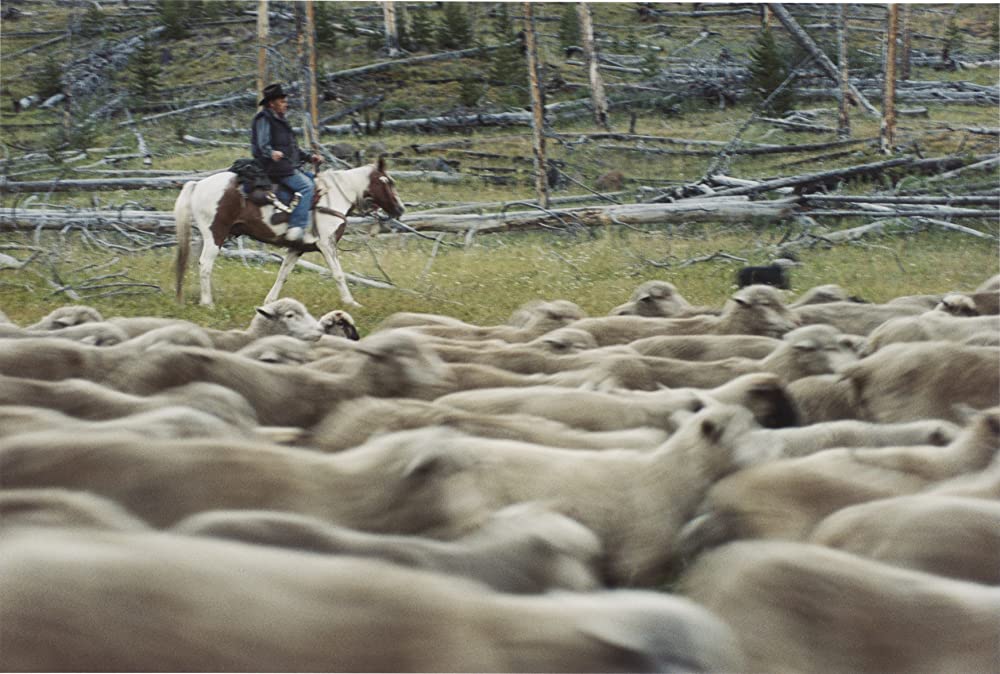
904,63
887,134
262,31
597,97
843,118
391,28
537,107
309,64
793,27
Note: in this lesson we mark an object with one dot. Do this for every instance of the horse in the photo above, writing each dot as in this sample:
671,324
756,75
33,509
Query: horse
219,208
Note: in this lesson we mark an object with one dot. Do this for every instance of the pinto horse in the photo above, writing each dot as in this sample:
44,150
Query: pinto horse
219,208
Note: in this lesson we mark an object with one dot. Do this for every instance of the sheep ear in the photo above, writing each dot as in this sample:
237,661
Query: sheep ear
350,331
425,465
62,323
740,301
711,430
806,345
632,648
266,313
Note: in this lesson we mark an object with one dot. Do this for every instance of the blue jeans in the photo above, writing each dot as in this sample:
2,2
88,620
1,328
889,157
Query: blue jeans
302,183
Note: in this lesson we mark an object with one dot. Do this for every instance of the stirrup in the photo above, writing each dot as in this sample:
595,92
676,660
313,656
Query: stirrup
276,202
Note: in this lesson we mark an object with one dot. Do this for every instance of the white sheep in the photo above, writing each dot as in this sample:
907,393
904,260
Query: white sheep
522,549
921,380
754,310
355,421
80,600
382,491
64,317
930,326
285,316
635,501
797,607
945,535
339,323
788,497
64,508
655,299
706,347
854,318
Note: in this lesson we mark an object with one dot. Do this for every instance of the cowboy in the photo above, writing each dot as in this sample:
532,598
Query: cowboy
272,141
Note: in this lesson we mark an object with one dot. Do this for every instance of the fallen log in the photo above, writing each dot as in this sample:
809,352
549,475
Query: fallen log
919,200
798,126
874,168
382,66
99,184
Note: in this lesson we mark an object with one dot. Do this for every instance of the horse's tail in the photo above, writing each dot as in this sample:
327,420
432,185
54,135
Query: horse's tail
183,216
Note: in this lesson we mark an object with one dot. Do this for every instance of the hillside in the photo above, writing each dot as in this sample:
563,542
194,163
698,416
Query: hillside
678,77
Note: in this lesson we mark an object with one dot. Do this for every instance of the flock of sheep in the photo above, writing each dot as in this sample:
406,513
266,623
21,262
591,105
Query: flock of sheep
765,487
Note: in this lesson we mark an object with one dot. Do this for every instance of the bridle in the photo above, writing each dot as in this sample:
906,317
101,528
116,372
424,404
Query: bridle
357,204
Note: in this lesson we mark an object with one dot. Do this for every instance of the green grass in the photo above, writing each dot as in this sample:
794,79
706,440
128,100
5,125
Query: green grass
486,282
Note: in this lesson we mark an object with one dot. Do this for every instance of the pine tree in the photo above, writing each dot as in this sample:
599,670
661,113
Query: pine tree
952,41
145,69
769,67
508,68
175,15
324,19
92,21
454,31
421,27
569,27
50,78
995,34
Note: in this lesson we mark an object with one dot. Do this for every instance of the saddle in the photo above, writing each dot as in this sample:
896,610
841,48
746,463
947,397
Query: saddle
259,189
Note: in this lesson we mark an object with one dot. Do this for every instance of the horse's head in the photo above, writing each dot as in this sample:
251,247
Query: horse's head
382,190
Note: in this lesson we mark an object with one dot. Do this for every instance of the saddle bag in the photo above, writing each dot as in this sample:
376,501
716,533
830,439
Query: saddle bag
253,180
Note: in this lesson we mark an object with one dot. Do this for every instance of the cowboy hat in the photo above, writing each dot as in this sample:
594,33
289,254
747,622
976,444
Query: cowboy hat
271,92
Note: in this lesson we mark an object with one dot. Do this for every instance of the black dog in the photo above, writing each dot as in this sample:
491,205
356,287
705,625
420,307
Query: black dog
772,275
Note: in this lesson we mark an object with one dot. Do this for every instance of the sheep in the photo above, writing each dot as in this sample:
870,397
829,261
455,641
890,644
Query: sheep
529,322
86,400
282,349
64,317
339,323
135,326
393,364
945,535
177,334
654,299
917,302
522,549
582,409
987,296
163,481
921,380
804,440
930,326
824,397
754,310
285,316
94,333
957,304
529,357
822,295
811,350
798,607
635,501
175,421
851,317
706,347
81,601
64,508
354,421
788,497
562,341
761,393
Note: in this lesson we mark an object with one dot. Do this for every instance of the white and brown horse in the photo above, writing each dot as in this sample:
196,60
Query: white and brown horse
218,207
